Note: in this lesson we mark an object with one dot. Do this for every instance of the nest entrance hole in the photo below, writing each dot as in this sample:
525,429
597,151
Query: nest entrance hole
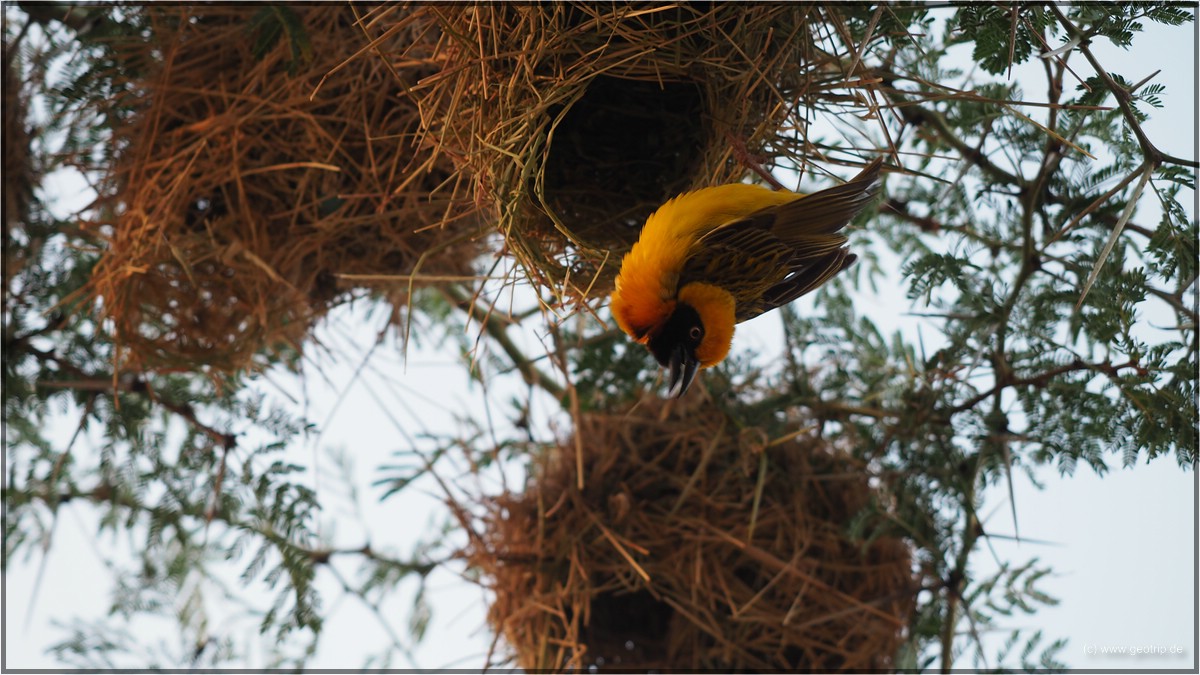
619,151
627,630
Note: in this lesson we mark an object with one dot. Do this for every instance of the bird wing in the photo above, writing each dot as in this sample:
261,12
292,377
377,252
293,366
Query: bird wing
746,260
811,277
775,255
760,270
829,210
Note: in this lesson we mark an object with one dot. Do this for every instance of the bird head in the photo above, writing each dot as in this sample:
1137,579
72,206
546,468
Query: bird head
697,334
674,347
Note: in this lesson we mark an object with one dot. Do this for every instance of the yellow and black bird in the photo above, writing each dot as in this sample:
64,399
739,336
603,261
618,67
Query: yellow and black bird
715,257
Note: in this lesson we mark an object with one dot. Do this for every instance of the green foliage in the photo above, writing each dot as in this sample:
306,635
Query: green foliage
1120,25
998,225
606,369
271,24
1003,36
188,468
1019,376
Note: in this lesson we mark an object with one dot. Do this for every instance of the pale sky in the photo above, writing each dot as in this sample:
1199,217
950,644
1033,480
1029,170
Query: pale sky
1125,544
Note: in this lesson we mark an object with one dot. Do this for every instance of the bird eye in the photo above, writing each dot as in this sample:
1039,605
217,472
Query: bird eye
696,333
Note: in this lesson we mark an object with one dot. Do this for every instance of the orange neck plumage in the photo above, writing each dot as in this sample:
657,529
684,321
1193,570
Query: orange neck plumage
717,310
716,307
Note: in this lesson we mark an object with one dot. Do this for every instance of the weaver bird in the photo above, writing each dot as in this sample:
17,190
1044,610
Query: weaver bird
715,257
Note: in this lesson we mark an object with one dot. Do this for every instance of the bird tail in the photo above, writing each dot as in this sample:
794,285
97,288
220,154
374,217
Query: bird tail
827,211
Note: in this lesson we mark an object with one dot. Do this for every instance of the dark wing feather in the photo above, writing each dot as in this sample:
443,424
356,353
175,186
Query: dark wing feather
752,236
774,256
808,279
829,210
745,260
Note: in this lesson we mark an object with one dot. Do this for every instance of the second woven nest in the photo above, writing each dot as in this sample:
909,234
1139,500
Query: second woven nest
259,175
676,556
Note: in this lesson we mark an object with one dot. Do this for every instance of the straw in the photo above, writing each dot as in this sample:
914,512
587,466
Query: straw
241,198
614,576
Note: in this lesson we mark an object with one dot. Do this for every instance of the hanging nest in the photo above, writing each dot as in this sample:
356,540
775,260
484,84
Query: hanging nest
575,121
257,169
676,556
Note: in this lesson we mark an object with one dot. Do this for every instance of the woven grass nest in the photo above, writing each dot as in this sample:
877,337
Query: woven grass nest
256,163
653,565
574,121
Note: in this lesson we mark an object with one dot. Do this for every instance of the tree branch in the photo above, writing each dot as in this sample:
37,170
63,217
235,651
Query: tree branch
497,329
919,115
1123,96
1042,379
130,385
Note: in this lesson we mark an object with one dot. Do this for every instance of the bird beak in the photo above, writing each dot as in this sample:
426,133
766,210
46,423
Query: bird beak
683,371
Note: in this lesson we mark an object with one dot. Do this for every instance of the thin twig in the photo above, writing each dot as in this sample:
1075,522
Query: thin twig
1116,233
496,328
1123,96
